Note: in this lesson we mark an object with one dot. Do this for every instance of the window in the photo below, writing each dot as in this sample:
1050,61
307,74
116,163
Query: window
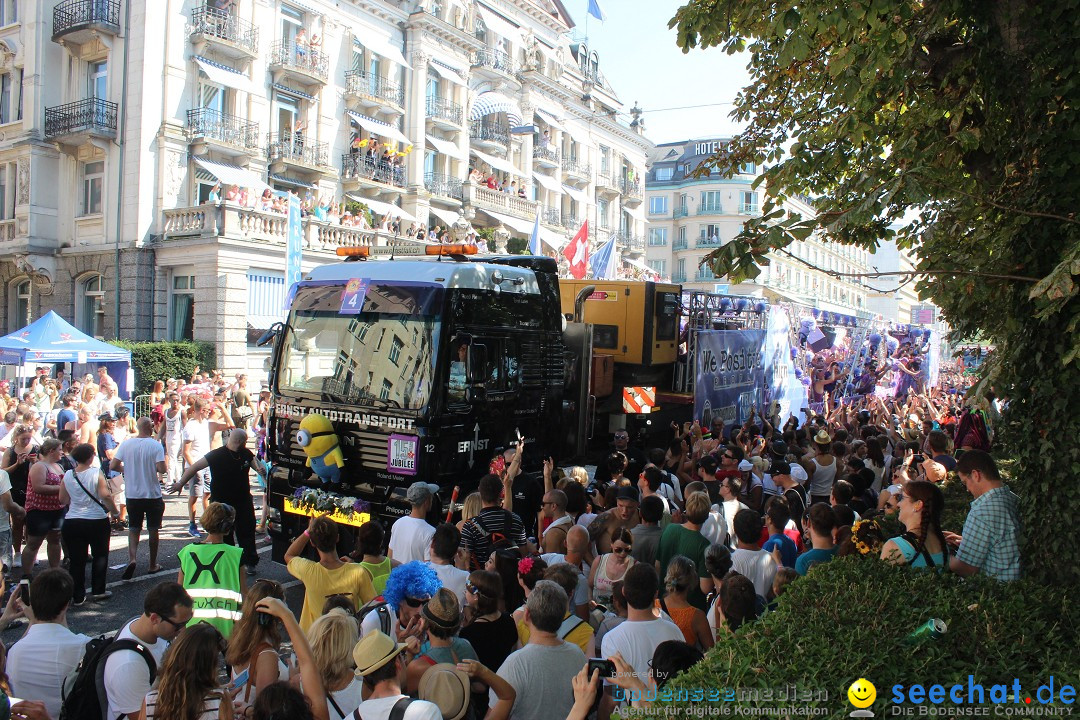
657,236
98,80
658,205
288,111
9,12
182,308
387,386
91,310
211,96
680,266
660,266
395,350
749,202
20,301
710,201
357,57
432,87
602,211
93,175
7,199
747,169
5,97
710,236
682,235
605,160
664,174
291,22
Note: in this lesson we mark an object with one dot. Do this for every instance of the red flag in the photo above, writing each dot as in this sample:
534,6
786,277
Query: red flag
577,252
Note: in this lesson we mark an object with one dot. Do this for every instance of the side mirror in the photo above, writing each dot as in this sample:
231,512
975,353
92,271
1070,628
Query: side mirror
269,335
475,393
476,365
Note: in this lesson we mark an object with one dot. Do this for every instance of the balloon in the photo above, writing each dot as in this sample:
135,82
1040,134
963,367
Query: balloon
806,381
892,344
798,372
761,306
794,354
875,339
740,304
816,312
725,304
806,325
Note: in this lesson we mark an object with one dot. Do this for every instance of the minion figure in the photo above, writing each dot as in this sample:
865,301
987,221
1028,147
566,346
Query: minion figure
320,443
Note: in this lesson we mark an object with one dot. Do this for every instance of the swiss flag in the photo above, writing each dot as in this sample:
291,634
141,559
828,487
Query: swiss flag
577,252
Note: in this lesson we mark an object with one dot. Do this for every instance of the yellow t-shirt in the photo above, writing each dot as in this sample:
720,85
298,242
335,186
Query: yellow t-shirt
319,584
581,636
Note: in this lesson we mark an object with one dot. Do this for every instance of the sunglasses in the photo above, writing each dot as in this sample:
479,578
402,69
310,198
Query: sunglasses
728,457
620,550
415,602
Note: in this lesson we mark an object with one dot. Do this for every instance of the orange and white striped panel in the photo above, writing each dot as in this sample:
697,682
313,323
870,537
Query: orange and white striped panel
639,399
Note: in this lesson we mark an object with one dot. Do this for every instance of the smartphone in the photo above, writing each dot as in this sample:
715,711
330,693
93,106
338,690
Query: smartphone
24,591
238,681
265,619
606,667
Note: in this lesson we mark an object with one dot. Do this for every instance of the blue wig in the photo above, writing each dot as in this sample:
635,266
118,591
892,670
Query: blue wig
413,579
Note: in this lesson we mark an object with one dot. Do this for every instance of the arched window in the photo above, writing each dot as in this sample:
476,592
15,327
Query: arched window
90,309
19,304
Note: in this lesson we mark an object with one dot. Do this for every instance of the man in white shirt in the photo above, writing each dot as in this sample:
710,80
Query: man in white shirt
167,608
172,434
410,536
48,652
196,445
8,509
749,560
140,459
381,662
444,548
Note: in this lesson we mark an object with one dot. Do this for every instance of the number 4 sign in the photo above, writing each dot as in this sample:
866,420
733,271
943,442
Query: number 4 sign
352,299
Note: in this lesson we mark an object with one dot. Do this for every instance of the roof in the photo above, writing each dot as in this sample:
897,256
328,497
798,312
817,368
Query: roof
474,274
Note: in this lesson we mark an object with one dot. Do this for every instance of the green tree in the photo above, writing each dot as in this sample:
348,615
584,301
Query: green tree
961,115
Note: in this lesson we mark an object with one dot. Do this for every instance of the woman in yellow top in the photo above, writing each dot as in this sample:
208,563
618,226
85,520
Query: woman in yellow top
369,544
327,576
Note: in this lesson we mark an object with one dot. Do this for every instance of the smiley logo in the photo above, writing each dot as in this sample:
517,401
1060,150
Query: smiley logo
862,693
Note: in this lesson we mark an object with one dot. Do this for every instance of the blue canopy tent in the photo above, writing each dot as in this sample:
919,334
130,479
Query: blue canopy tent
51,339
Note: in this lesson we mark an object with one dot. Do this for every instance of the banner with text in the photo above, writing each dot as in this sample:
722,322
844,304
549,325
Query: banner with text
781,385
730,375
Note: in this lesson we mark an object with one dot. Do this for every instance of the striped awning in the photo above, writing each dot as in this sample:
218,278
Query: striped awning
548,182
296,182
580,195
488,103
224,75
234,175
447,72
376,127
497,24
384,208
381,45
497,163
550,119
447,216
265,298
446,147
286,89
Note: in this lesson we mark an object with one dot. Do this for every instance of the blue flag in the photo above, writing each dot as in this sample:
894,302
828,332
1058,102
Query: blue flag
595,11
603,262
534,239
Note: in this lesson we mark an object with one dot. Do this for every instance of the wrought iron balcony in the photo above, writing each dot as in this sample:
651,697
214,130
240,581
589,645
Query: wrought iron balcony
606,183
479,130
570,222
93,116
546,154
709,242
222,26
73,16
300,59
678,277
297,149
439,108
209,124
630,188
362,83
358,166
576,167
494,60
631,242
678,244
680,212
445,185
551,215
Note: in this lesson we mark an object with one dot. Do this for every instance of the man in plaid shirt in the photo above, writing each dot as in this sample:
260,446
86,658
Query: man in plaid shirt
991,539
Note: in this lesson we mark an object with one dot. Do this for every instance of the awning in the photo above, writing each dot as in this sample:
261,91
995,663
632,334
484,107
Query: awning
383,208
548,182
298,93
448,73
286,180
488,103
578,132
447,216
265,298
580,195
554,239
234,175
551,119
497,163
378,128
516,224
381,45
496,24
224,75
446,147
640,265
637,213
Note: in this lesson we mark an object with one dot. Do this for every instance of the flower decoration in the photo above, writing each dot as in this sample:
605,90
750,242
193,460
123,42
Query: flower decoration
525,566
321,501
867,537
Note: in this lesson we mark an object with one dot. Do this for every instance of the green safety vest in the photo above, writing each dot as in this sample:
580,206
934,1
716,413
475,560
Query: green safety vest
212,579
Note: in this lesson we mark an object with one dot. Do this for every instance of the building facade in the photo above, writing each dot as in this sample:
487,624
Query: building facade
127,127
689,217
889,298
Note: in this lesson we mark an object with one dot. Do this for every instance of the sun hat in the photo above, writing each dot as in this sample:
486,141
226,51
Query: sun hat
373,651
446,687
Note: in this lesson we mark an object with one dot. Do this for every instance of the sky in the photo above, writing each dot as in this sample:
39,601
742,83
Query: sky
641,61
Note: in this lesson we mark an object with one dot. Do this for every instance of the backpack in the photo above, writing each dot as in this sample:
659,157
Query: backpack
380,607
83,693
396,713
490,537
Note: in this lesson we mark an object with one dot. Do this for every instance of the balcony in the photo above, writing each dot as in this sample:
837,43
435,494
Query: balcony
749,209
678,244
228,133
704,241
488,136
606,184
576,171
680,212
78,21
710,209
705,275
361,170
445,186
444,113
631,243
299,62
225,32
630,190
678,278
495,65
297,151
547,157
77,123
374,92
504,202
570,222
551,216
212,221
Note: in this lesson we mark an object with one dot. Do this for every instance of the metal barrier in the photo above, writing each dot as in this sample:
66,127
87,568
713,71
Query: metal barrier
142,406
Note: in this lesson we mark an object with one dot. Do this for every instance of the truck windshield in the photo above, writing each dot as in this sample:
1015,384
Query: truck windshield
382,356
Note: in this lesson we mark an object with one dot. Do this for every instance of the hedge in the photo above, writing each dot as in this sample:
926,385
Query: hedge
162,360
850,619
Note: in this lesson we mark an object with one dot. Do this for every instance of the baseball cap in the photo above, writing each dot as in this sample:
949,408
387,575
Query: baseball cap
373,651
628,492
781,467
419,492
779,448
745,466
895,489
448,688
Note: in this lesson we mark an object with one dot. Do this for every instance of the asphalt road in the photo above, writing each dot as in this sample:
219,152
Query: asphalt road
94,618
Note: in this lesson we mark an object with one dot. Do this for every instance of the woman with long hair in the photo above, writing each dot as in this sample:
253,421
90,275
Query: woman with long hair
157,395
681,576
470,508
254,645
611,567
332,637
923,543
280,700
17,462
44,512
188,687
489,629
878,461
504,562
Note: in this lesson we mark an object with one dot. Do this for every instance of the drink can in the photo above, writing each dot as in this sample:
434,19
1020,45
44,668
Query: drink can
932,629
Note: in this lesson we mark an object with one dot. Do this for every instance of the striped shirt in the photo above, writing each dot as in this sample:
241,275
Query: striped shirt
991,537
491,525
210,706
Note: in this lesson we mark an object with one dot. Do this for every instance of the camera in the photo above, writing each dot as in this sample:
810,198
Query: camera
606,667
918,459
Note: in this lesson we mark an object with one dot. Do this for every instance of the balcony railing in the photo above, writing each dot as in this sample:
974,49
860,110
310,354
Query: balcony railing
576,167
657,241
633,243
375,86
445,185
678,277
680,212
492,133
224,25
442,109
551,215
707,241
495,60
748,209
296,148
710,209
630,188
705,275
73,15
92,115
570,222
678,244
517,205
606,182
358,165
300,57
546,153
209,124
